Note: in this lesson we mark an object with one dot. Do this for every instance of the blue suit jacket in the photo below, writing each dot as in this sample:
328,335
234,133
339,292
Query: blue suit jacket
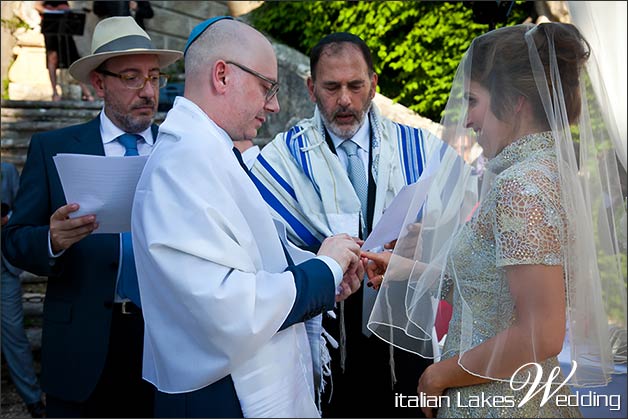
81,282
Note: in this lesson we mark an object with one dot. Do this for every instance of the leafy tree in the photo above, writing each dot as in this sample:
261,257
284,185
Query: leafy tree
416,45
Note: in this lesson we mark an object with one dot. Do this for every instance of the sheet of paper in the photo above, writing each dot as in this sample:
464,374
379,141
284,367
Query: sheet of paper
391,222
101,185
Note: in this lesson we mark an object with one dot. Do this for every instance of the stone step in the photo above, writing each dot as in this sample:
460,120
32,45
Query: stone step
46,114
34,292
28,278
23,118
47,104
33,304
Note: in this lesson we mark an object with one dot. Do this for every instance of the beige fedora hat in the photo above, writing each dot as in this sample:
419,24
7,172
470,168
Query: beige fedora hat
116,36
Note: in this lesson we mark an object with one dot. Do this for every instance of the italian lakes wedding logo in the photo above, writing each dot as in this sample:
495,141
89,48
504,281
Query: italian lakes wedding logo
549,389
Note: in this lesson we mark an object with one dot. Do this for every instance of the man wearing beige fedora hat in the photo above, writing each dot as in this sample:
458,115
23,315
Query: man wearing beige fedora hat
93,328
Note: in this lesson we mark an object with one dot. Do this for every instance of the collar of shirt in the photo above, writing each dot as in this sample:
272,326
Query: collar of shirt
250,155
361,138
109,132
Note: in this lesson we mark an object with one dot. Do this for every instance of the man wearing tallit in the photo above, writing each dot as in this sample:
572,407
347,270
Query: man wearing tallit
224,300
336,173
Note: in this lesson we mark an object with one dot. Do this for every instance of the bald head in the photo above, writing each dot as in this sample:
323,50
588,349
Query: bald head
229,40
231,74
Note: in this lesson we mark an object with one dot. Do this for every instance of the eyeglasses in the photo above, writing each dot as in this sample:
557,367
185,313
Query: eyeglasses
274,85
136,81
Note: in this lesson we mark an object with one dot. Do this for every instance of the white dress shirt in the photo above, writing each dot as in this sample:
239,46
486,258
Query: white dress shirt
109,132
362,138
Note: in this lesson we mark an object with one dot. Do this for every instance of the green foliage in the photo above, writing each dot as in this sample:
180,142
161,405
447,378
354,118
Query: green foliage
416,45
15,23
5,88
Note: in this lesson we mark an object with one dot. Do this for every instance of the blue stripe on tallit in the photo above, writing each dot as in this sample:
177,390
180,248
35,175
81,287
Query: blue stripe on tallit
302,158
300,230
290,144
277,177
294,147
305,164
443,150
401,140
419,216
421,154
412,152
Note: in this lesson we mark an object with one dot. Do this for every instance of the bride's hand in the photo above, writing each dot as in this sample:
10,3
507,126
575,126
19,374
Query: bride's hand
376,266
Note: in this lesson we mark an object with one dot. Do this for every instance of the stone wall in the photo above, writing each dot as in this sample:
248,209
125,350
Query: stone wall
23,53
8,40
169,28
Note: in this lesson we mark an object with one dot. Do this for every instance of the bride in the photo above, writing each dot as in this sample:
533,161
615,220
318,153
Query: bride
531,263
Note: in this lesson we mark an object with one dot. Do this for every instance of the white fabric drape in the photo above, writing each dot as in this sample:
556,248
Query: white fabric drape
604,25
211,275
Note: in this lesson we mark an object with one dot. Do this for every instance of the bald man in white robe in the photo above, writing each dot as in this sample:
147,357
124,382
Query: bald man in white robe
224,300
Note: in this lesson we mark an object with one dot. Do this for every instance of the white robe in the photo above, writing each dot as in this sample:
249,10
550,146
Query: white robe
211,275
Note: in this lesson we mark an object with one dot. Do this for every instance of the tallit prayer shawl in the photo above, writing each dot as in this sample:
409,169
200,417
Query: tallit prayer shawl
307,187
211,274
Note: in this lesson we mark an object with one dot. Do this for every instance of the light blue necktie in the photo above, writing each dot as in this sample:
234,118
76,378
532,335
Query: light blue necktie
127,283
357,176
358,179
129,141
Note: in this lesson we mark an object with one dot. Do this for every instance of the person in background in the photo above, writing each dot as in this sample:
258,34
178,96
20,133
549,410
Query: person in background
225,299
60,48
139,10
92,325
15,345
